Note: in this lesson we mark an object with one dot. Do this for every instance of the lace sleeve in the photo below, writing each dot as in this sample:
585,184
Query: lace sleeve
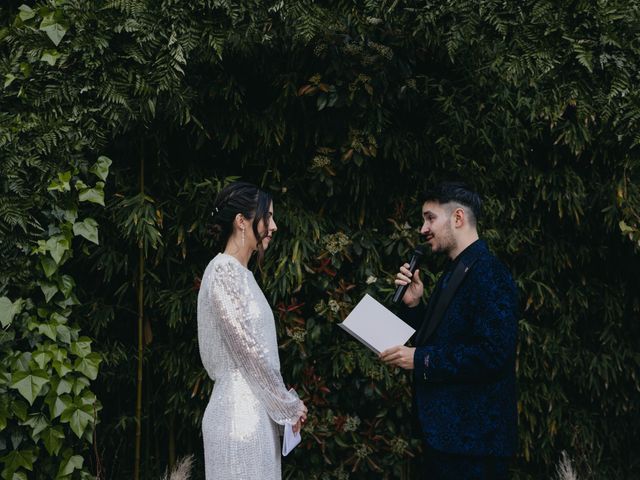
231,297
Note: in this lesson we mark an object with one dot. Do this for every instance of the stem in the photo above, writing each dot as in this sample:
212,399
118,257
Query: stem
136,473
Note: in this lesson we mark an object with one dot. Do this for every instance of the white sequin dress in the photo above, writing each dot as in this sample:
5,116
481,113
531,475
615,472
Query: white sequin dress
238,347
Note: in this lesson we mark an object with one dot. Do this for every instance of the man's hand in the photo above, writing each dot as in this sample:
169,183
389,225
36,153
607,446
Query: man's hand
399,356
414,292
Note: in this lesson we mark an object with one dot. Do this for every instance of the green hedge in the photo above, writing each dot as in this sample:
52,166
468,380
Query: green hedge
344,112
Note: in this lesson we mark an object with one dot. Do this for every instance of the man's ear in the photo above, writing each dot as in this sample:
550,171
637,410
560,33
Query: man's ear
459,217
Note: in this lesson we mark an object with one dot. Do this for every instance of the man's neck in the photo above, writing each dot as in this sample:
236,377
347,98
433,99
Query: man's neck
462,245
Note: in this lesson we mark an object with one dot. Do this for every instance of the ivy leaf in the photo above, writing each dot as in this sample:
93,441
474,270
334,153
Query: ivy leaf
49,266
66,284
88,229
19,409
50,57
60,184
19,475
101,167
53,28
64,386
52,438
8,310
57,246
78,417
88,365
48,330
81,347
42,358
49,289
29,384
18,459
58,404
68,466
94,195
62,367
8,79
80,384
26,13
64,334
4,412
38,423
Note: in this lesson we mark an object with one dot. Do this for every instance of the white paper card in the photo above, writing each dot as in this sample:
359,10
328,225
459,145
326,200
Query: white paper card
290,440
375,326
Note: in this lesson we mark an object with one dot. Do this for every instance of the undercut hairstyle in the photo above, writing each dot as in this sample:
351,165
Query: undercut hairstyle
456,192
246,199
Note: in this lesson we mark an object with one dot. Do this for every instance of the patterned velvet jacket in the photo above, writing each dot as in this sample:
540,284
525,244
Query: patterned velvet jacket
464,375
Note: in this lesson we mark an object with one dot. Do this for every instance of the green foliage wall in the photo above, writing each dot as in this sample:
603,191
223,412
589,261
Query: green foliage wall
344,111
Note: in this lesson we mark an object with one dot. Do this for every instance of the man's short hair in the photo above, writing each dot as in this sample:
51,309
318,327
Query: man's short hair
457,192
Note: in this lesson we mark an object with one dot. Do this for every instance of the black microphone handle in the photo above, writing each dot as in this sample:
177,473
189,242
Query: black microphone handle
413,264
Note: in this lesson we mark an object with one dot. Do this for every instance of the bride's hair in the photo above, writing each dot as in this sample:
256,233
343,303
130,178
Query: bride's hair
246,199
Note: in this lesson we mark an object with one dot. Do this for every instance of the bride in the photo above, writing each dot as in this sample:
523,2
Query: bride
238,347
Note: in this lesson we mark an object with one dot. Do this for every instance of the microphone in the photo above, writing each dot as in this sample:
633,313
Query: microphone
413,265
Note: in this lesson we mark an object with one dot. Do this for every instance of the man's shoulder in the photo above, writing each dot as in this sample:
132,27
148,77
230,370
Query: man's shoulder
489,266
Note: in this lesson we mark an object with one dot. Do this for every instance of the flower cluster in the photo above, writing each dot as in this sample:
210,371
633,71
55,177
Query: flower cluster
336,242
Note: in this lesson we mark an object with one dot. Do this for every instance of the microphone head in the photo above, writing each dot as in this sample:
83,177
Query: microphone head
419,251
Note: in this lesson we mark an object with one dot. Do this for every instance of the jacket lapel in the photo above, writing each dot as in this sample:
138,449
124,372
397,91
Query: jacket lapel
434,316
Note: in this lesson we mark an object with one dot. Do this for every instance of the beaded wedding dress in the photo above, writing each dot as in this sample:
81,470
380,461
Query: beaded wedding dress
238,347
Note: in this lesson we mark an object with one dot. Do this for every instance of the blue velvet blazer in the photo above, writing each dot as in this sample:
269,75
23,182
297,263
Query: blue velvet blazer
464,371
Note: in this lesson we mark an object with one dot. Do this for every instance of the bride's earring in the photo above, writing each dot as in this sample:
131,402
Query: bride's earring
243,237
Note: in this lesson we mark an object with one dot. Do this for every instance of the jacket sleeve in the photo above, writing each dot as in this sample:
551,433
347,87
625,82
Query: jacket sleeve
230,292
489,349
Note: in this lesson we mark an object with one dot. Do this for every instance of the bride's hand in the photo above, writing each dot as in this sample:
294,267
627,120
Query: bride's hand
301,419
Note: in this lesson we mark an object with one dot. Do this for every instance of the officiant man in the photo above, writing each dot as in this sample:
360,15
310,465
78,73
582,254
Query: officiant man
463,361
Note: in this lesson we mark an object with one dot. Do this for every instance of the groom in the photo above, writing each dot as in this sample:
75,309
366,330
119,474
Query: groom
463,361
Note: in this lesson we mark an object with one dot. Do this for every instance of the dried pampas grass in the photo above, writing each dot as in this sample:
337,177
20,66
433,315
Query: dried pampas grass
565,469
182,470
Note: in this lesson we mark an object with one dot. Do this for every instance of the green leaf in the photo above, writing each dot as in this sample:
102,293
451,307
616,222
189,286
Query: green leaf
58,404
62,367
57,246
81,347
66,284
68,466
19,408
64,386
26,13
78,417
64,334
4,412
79,384
61,184
47,329
54,30
49,266
38,423
8,79
42,358
50,57
94,195
19,475
19,459
29,384
8,310
52,438
88,365
101,167
71,214
88,228
49,289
